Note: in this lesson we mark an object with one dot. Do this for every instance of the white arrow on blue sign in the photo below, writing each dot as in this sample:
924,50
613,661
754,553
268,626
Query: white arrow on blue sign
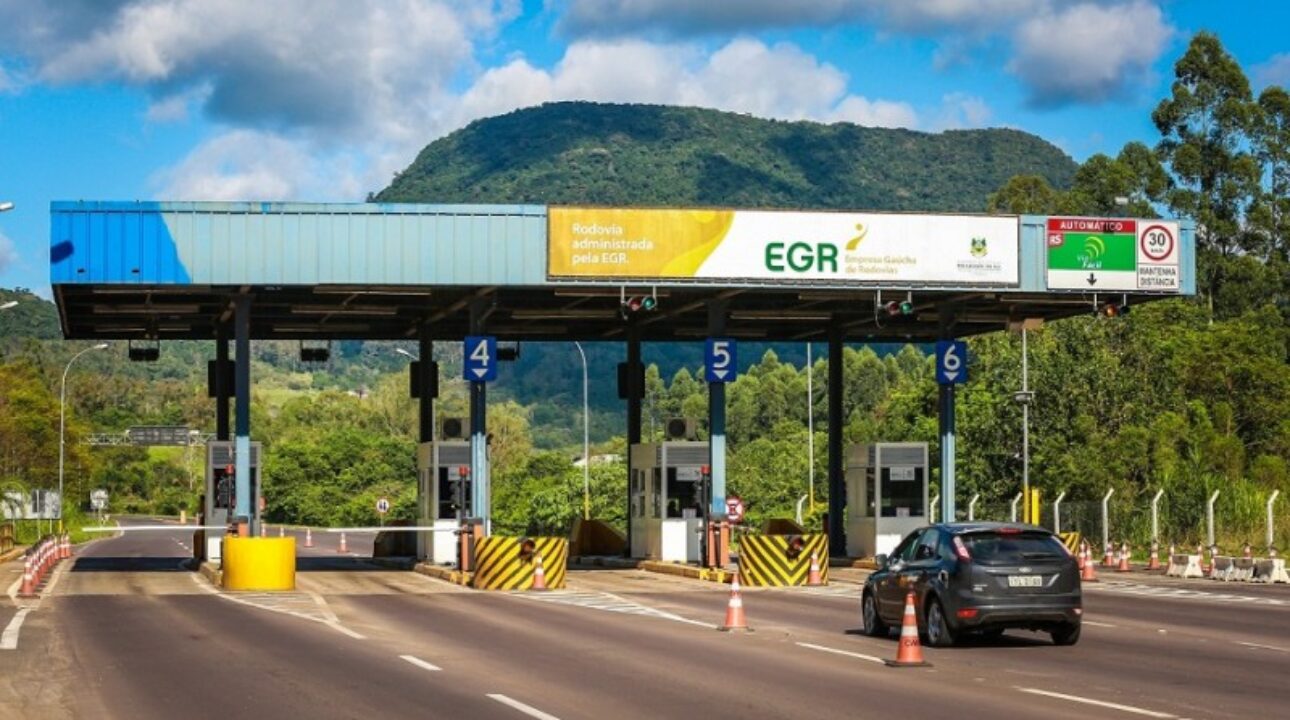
951,362
480,353
720,360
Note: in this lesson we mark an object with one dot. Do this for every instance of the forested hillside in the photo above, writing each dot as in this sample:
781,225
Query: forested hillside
577,152
1185,395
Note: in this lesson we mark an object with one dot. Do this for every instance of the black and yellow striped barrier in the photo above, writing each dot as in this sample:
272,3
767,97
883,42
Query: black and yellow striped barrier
1071,541
504,563
782,560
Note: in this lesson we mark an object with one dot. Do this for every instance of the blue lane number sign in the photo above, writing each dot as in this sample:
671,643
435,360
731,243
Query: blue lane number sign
481,358
720,360
951,362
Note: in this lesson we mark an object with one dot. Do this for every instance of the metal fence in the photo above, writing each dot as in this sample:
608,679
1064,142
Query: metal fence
1181,522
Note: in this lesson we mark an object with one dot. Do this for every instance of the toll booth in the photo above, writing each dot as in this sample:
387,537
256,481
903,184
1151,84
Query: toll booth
886,495
667,499
443,487
220,499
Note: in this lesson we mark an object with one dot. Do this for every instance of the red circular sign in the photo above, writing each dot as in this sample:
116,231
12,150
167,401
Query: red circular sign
734,508
1157,243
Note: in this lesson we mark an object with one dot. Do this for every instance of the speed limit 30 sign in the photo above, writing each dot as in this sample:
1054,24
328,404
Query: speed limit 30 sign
1158,266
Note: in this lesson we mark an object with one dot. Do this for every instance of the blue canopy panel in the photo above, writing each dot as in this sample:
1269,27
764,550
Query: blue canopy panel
174,243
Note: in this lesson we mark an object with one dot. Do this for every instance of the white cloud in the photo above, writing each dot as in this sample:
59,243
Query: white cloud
961,111
176,108
777,81
1274,71
1088,52
8,253
257,165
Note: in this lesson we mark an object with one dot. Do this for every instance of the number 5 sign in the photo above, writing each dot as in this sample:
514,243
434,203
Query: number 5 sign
719,359
951,362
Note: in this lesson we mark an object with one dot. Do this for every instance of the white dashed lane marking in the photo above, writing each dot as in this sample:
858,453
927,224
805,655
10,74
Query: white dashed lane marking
607,602
1175,593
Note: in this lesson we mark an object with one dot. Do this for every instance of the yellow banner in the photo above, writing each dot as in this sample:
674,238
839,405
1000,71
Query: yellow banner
616,242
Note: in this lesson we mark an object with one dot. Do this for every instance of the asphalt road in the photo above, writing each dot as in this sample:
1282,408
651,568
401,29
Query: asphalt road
129,632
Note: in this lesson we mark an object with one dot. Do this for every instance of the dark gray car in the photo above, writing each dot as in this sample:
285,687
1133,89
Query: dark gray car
977,578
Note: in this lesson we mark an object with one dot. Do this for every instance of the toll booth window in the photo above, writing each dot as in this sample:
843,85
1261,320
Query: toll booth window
223,490
683,491
902,491
447,497
656,504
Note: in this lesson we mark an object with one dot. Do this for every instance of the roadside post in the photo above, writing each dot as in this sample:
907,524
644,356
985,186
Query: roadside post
951,371
479,355
1015,501
1270,537
1155,516
721,366
1209,519
1057,513
1106,518
972,507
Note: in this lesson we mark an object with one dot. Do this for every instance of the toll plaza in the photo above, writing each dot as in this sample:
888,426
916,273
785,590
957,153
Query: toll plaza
488,276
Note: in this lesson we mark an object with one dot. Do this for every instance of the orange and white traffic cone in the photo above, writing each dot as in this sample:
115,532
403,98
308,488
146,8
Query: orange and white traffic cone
309,538
735,620
813,576
539,573
1248,554
67,546
910,653
1089,572
28,579
264,530
343,547
282,531
1124,558
1154,562
1107,560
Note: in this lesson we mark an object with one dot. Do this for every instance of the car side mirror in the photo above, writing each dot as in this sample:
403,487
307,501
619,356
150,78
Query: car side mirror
880,560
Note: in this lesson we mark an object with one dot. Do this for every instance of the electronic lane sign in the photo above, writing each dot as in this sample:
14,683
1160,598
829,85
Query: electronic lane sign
1112,254
480,353
720,360
951,362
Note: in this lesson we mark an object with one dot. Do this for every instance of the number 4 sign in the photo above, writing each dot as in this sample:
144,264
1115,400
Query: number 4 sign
480,354
951,362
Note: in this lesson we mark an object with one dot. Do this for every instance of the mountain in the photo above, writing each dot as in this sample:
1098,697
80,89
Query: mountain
578,152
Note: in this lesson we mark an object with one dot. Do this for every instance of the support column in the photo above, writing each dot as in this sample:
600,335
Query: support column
426,380
634,397
717,311
837,484
947,433
245,513
222,390
479,478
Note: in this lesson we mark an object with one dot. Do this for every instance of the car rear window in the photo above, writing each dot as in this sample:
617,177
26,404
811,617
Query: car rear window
999,548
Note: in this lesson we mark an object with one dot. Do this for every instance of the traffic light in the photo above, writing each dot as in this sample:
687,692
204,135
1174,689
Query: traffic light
1112,310
640,303
902,308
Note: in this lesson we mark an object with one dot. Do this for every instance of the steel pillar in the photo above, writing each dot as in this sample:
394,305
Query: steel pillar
717,311
246,510
948,435
837,484
634,396
479,496
222,390
425,404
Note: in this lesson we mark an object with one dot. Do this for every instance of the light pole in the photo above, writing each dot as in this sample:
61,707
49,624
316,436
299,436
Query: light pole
1025,397
586,445
62,425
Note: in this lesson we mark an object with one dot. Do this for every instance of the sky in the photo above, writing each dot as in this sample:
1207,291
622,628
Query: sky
324,100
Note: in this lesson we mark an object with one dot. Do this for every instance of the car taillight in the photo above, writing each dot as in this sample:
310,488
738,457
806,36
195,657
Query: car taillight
1008,531
967,613
961,550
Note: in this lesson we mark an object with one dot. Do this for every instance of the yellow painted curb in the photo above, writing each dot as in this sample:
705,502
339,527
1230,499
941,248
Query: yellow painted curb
259,563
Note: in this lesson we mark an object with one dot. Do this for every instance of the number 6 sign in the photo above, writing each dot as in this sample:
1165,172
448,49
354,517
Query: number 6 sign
951,362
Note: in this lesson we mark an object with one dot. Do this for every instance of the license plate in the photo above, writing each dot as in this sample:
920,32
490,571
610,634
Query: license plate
1025,581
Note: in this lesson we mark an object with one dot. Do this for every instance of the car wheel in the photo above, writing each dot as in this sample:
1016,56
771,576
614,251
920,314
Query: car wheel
1066,634
873,624
939,633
